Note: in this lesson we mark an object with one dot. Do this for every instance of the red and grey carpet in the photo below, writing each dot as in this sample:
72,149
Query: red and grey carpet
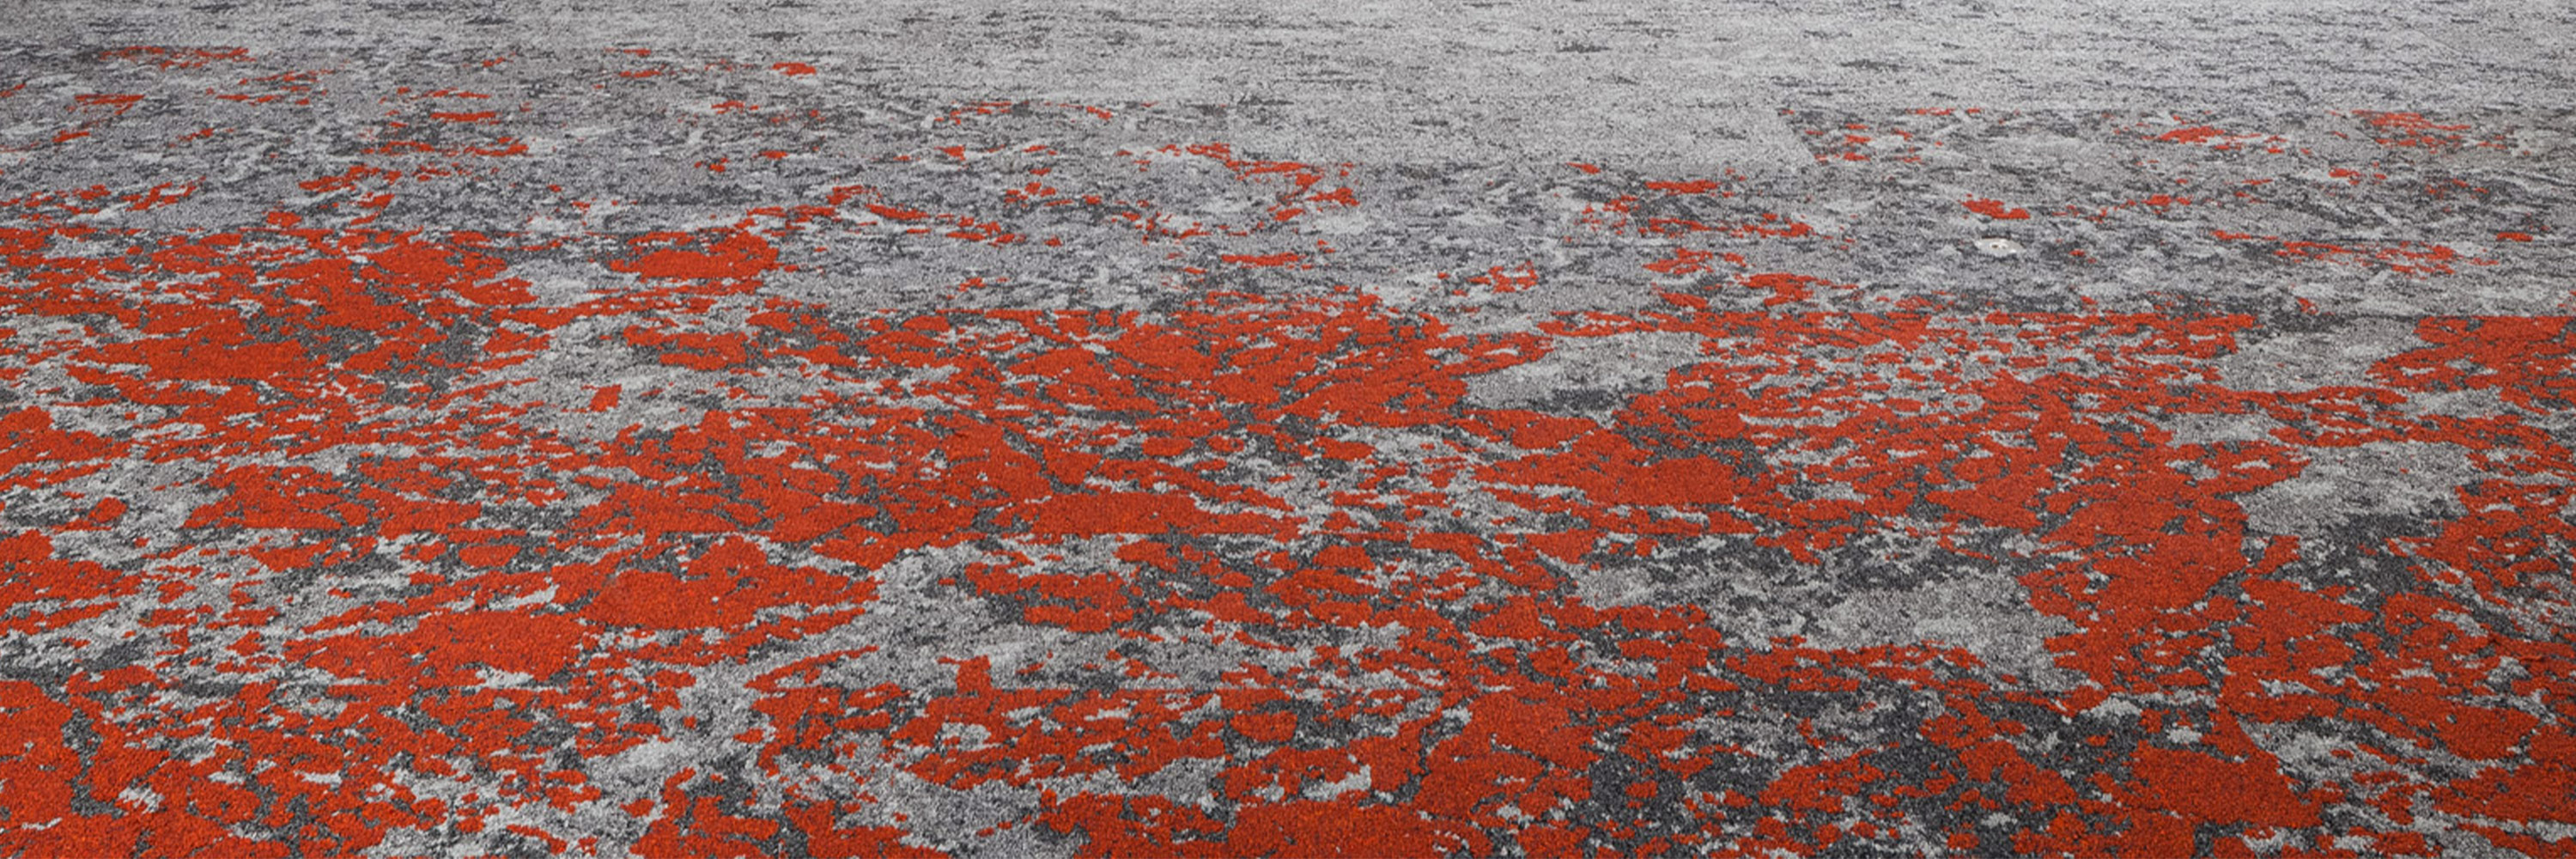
1878,427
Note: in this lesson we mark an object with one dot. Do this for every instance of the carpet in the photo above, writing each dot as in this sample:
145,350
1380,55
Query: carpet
1876,427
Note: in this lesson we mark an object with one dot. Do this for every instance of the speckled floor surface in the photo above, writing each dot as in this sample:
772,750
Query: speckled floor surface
1296,429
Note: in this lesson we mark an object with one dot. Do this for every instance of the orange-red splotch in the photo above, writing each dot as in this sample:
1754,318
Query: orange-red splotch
1996,209
733,255
2192,134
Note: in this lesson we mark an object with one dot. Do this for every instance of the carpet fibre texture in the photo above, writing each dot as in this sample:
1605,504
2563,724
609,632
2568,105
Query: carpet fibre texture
1290,429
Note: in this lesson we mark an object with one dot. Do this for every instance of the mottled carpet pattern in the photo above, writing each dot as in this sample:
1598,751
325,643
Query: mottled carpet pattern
650,452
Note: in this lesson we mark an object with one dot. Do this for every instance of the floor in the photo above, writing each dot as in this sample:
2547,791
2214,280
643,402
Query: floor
1016,429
